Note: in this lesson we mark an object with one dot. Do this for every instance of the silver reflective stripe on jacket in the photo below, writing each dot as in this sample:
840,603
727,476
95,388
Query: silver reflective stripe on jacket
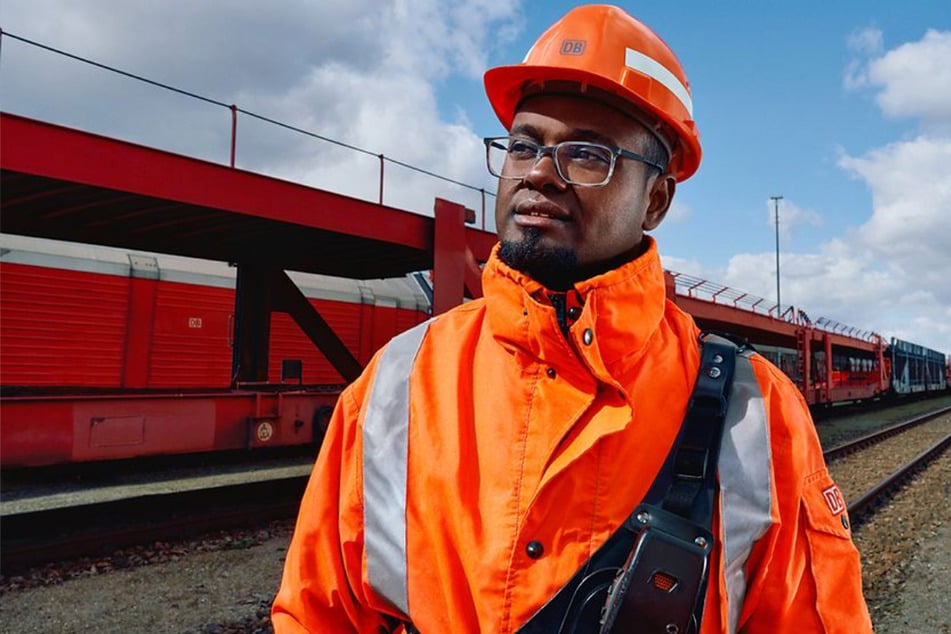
385,452
744,474
745,482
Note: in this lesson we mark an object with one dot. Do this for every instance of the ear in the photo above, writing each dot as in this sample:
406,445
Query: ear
661,195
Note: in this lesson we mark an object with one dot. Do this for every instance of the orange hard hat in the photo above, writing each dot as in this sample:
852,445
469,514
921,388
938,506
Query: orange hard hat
603,47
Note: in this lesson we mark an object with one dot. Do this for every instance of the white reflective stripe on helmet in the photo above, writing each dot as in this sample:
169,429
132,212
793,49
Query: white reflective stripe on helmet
635,60
745,474
385,456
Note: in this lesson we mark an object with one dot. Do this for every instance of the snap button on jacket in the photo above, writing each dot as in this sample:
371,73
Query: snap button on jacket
514,475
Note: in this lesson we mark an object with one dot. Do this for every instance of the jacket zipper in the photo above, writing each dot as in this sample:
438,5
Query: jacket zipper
560,303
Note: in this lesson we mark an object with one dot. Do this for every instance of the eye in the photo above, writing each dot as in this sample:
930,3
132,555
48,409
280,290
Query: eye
583,152
520,148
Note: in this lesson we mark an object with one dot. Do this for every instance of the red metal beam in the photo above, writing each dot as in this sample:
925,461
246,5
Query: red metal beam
753,326
43,149
456,272
66,184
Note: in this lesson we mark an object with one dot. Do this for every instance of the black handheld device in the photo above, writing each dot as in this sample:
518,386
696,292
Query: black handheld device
657,588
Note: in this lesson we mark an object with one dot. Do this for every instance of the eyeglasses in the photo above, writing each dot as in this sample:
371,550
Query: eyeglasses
579,163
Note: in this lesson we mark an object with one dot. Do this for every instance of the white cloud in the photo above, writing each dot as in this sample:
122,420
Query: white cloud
911,196
862,43
912,80
867,41
915,78
391,108
213,48
682,265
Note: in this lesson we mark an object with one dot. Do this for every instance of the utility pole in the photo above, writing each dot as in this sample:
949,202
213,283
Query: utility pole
779,305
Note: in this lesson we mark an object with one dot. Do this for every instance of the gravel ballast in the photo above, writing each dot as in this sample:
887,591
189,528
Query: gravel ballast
191,589
906,556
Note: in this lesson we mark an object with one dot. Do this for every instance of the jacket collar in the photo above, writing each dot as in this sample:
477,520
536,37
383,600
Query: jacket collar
622,309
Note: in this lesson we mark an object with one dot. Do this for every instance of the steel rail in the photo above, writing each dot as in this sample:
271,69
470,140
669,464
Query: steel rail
875,437
863,505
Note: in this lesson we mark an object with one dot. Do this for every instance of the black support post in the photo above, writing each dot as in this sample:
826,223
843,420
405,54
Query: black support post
252,324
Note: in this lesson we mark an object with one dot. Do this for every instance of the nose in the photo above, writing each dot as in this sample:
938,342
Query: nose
544,173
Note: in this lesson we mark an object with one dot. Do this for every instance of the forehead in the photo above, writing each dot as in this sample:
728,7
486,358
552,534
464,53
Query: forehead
561,117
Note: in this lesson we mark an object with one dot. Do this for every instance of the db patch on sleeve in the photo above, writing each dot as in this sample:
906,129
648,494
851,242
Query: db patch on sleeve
834,500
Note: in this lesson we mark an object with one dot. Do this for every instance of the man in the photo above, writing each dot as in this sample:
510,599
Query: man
483,458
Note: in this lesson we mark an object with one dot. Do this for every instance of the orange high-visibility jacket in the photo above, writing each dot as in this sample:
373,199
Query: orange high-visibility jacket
483,457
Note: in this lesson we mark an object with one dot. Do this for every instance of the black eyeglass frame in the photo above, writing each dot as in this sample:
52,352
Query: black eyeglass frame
550,150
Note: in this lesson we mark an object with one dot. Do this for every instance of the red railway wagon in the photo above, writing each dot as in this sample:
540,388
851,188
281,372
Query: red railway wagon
107,335
828,361
104,336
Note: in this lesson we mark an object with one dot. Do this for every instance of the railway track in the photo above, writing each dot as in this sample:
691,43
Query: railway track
867,440
862,505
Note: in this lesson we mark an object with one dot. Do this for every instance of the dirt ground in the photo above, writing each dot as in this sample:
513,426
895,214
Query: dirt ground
192,595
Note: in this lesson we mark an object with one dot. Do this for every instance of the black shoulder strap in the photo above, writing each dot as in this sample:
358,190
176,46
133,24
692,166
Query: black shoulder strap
685,485
697,450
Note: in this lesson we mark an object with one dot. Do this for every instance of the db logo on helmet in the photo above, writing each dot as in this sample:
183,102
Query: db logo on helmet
573,47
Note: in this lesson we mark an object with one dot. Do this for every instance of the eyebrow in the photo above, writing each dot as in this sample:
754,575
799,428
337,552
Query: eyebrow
576,134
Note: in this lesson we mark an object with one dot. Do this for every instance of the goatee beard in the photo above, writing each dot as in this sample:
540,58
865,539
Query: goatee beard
556,268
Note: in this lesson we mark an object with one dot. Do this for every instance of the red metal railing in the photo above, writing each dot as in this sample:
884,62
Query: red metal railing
699,288
235,110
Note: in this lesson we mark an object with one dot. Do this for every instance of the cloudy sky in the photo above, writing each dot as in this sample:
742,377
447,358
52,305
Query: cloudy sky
842,108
